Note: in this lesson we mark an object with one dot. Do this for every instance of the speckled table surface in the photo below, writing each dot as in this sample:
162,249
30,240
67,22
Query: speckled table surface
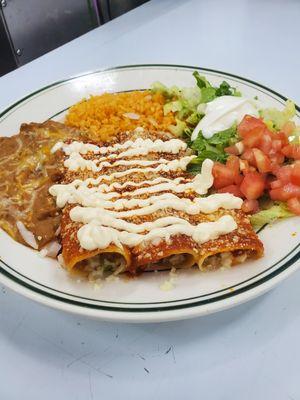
247,352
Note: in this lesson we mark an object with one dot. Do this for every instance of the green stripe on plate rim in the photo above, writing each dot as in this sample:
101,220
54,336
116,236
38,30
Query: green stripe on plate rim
147,66
235,287
235,292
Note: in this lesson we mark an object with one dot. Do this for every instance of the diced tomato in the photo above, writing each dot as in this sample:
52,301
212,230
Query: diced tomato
276,160
251,129
288,128
244,166
291,190
232,150
295,174
250,206
266,143
233,163
284,173
277,194
233,189
238,179
262,161
282,137
262,157
253,185
223,176
252,139
285,192
294,205
250,125
249,156
276,184
276,145
292,151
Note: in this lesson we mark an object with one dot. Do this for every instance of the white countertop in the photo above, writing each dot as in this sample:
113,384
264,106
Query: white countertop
249,352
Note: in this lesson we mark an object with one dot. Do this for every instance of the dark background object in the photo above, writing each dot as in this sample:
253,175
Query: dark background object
31,28
36,27
7,58
119,7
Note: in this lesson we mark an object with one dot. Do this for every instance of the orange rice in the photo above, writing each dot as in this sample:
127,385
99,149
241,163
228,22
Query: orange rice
103,116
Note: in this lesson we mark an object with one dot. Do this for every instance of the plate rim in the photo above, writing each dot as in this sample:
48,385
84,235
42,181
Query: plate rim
127,66
167,312
153,316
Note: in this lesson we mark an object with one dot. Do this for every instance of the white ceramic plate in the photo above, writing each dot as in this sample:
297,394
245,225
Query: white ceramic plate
141,300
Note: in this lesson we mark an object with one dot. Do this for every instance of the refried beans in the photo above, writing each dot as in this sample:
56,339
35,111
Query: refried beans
27,170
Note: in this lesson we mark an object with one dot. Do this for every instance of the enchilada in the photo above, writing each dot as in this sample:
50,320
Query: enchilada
130,205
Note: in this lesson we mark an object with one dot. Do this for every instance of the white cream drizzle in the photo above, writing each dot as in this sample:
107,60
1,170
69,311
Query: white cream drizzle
148,206
76,162
98,236
78,191
161,168
117,185
103,218
137,147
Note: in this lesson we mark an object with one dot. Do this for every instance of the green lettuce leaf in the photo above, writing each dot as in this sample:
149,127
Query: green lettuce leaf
188,103
209,92
226,90
213,147
225,138
202,82
194,118
169,93
191,95
173,106
278,211
179,128
295,137
185,103
275,119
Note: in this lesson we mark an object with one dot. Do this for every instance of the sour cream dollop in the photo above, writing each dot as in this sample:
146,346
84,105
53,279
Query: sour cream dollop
222,113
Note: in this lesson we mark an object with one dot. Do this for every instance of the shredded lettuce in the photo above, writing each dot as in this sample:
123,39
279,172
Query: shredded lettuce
226,90
160,88
224,138
295,137
276,119
179,128
209,92
191,95
278,211
172,106
169,93
188,103
202,82
213,147
194,118
182,102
